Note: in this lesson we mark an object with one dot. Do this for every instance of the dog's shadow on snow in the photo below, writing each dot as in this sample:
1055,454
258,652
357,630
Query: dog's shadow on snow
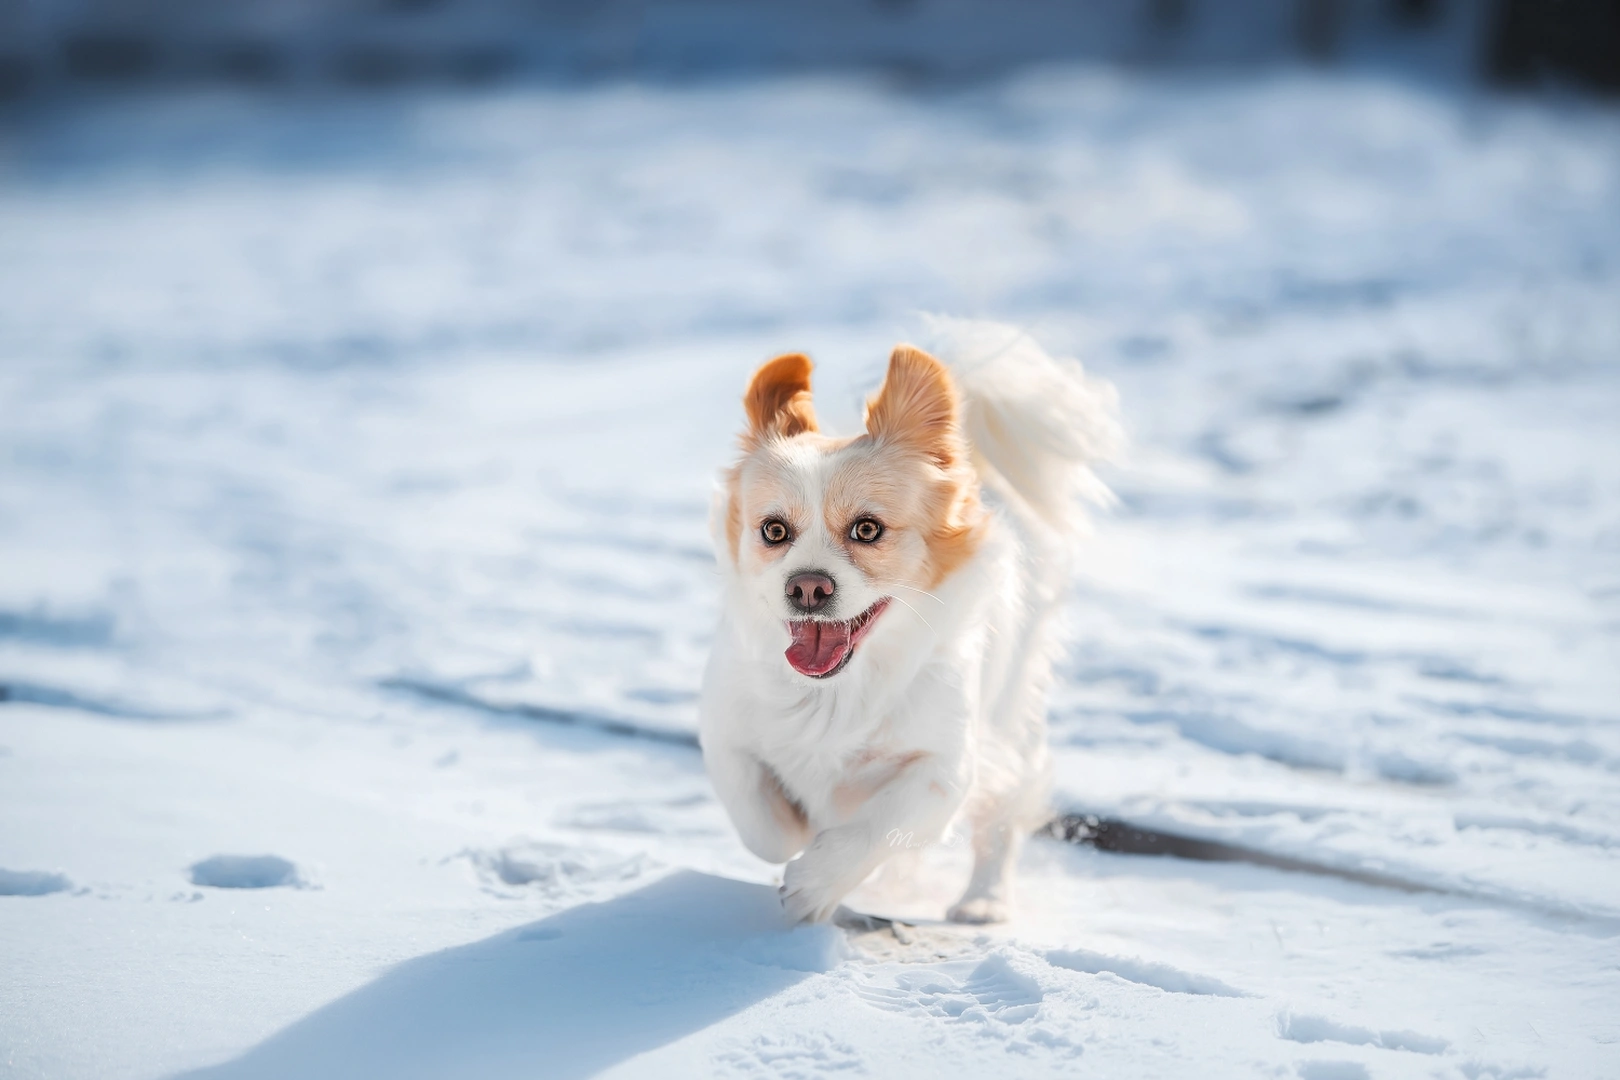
563,997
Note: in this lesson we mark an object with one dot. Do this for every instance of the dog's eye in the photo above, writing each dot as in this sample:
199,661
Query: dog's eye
866,531
774,532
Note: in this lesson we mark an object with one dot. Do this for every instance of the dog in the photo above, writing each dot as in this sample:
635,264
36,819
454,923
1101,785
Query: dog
891,605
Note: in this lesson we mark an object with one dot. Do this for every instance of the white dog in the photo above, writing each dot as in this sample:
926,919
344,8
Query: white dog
890,610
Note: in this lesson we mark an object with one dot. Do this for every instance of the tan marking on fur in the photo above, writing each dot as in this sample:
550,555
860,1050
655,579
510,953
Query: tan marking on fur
789,815
733,511
917,405
778,400
958,532
851,795
848,798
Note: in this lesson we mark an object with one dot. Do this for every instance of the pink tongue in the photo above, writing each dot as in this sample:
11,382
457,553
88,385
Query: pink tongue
817,647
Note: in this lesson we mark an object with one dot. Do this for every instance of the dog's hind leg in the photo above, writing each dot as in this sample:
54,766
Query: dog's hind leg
1002,818
997,841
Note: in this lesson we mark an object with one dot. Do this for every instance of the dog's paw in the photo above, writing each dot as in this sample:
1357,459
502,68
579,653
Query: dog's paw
979,910
804,902
807,895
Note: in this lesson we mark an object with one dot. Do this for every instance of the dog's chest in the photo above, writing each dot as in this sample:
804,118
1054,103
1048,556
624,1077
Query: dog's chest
831,760
830,789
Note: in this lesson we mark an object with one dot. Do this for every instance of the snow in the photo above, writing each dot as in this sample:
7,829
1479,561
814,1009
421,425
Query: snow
357,454
517,1001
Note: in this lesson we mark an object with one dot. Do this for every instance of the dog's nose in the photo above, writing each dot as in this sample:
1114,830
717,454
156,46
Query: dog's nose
809,591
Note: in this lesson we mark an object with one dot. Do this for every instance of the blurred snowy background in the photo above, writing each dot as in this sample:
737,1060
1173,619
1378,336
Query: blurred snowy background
364,367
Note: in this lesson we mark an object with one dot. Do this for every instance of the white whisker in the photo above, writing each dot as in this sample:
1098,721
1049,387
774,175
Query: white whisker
917,613
913,588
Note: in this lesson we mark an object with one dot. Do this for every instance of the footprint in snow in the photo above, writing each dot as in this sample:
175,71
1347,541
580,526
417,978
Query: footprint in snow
32,882
1004,1002
789,1053
245,872
1318,1029
987,990
1332,1070
512,870
1143,972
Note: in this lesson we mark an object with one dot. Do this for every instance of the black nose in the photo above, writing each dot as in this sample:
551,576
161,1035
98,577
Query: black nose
809,591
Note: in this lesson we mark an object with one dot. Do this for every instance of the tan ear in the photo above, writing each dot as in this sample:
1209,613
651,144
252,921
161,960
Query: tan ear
778,398
917,405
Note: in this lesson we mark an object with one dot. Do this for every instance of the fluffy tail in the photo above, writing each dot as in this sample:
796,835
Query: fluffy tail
1036,424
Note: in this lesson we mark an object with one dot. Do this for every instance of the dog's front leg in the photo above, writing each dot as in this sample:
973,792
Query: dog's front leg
770,823
911,808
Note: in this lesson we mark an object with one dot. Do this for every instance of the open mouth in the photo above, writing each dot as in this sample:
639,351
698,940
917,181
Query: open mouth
821,649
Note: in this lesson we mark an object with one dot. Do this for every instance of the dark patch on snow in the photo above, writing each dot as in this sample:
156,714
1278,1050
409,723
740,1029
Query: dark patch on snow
1181,505
869,187
1441,951
34,694
1446,670
1231,735
1316,405
661,695
1262,643
1123,838
42,628
1579,751
1144,348
1212,445
1344,598
1324,295
245,872
611,725
1403,768
612,631
1496,711
32,882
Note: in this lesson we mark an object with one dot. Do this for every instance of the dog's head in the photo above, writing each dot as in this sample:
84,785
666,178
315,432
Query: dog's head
826,534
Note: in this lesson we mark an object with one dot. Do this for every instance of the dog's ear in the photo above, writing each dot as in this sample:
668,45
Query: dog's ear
778,399
917,406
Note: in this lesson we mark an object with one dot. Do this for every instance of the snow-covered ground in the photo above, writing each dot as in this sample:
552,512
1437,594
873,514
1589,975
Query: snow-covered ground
354,461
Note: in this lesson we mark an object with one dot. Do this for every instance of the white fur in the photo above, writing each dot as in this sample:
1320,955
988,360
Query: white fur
942,709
